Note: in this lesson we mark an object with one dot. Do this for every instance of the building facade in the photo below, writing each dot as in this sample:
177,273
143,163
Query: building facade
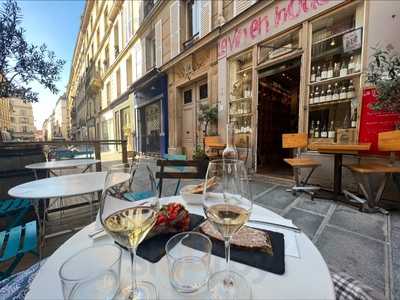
22,123
270,67
5,119
60,126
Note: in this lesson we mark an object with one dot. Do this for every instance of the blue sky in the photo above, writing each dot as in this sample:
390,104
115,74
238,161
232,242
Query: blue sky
55,23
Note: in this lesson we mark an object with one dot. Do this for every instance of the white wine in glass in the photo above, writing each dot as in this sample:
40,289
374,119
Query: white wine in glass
128,211
130,226
227,204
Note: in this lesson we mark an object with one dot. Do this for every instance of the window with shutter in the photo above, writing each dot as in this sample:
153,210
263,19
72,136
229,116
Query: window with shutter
241,5
138,60
128,21
158,43
175,28
205,17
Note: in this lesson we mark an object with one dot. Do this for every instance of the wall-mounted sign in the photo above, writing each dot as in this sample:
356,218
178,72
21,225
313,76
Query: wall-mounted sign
352,40
277,17
372,122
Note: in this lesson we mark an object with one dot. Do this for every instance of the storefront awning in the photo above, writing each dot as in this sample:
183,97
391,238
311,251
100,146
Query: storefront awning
145,80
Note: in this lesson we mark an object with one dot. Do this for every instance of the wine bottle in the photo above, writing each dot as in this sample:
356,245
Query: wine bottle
316,95
311,96
318,75
328,96
311,131
343,69
343,93
332,131
317,130
324,72
357,66
335,95
312,77
324,131
350,90
230,151
346,121
336,69
351,68
354,119
330,71
322,96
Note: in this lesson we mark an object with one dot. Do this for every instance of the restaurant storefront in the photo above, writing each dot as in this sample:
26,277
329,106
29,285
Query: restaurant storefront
151,111
294,66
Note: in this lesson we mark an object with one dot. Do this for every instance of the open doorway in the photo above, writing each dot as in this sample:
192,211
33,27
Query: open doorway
278,113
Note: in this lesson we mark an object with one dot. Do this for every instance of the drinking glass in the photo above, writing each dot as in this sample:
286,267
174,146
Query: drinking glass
128,210
92,273
188,255
227,204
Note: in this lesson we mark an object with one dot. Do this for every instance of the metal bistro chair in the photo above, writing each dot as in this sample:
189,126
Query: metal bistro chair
16,242
365,173
298,141
181,169
14,210
200,173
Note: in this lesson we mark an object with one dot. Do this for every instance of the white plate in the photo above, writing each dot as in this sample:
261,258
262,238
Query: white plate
189,197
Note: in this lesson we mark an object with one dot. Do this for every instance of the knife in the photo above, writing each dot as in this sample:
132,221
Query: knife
296,229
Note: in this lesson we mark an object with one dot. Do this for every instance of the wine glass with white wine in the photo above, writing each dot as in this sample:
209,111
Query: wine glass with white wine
128,211
227,204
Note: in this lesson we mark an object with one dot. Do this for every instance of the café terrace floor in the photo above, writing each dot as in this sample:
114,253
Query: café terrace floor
366,246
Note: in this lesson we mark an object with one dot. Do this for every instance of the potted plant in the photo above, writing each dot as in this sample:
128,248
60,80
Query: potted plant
199,153
208,114
384,74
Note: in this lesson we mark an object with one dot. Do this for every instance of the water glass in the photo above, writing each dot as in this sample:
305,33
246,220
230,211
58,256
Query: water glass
188,255
92,273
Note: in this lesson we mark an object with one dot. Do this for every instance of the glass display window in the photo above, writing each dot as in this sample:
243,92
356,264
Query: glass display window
280,46
240,97
334,77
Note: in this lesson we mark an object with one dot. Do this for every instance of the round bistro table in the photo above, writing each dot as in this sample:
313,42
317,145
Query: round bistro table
62,164
306,277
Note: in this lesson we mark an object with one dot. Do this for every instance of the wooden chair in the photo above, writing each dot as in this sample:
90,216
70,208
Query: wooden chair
213,145
16,242
364,173
298,141
200,173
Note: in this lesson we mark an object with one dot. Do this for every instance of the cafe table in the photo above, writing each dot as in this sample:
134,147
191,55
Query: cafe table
338,150
61,187
305,277
61,164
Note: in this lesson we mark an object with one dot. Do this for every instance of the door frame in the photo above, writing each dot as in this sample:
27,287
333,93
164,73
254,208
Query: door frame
194,105
297,55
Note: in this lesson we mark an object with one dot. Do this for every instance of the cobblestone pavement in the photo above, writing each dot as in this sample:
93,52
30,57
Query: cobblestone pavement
366,246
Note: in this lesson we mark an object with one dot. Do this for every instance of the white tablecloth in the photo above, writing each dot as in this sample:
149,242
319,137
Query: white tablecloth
306,277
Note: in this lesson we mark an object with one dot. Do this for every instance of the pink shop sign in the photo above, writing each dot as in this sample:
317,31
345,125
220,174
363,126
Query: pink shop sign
279,16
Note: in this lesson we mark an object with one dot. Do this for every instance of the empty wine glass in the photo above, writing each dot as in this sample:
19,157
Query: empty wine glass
128,211
227,204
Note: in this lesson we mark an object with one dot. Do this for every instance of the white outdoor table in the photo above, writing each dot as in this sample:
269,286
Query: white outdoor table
306,277
62,164
62,186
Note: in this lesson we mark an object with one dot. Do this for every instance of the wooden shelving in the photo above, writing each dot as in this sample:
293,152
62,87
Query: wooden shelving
240,99
335,79
328,103
240,115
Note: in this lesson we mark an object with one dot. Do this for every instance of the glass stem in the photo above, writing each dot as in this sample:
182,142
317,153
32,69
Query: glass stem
133,272
227,254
